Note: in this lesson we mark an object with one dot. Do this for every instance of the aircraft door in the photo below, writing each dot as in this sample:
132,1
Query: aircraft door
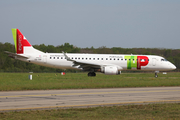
154,61
44,58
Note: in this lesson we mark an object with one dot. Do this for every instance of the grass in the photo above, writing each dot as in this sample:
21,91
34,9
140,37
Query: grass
46,81
167,111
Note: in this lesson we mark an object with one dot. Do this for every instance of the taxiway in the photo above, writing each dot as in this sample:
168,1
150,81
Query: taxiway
46,99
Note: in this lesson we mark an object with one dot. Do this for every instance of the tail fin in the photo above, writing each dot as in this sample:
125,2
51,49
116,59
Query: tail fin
22,46
20,41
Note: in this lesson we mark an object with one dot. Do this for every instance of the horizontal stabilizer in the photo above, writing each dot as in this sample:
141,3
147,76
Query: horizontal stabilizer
14,55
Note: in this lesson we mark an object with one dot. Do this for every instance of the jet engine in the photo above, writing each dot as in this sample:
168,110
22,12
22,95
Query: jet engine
110,70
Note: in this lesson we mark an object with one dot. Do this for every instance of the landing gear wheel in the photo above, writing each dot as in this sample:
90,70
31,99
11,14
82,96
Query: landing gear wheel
156,75
90,74
94,74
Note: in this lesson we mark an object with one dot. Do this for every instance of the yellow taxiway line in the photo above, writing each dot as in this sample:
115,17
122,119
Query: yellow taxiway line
89,105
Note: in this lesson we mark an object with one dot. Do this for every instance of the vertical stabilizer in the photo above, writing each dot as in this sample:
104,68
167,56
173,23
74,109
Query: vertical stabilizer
20,41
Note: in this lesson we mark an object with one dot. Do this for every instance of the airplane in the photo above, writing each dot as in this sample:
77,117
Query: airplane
109,64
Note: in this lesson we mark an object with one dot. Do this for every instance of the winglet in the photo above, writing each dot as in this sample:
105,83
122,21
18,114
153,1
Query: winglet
67,58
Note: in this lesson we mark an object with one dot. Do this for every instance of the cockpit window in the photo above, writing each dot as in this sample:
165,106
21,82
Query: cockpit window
164,60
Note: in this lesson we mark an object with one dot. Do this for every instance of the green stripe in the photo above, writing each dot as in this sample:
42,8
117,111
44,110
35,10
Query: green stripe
130,62
14,33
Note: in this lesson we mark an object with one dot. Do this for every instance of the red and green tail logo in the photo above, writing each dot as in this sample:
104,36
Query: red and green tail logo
19,40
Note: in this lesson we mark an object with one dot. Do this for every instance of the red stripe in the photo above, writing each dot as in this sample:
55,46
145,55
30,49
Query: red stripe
21,42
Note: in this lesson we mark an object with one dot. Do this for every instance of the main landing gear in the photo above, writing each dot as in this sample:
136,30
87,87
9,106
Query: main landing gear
90,74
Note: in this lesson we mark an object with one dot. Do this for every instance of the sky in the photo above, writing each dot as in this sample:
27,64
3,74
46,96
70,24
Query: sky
97,23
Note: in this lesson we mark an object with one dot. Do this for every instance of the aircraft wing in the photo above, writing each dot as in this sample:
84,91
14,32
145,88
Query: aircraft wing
14,55
88,65
83,65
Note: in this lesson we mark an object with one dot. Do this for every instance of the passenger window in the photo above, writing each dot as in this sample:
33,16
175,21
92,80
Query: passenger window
89,58
110,59
97,58
50,57
129,59
61,57
125,59
57,57
54,57
101,58
93,58
106,58
121,59
82,58
114,59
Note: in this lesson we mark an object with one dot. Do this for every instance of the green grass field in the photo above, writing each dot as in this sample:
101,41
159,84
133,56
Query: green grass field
166,111
46,81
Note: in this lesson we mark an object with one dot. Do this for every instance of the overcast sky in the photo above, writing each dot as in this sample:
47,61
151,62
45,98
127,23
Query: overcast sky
86,23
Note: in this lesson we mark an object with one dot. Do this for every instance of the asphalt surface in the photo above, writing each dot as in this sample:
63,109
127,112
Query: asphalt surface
48,99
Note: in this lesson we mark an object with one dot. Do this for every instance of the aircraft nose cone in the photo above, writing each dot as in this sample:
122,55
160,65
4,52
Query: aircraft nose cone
173,67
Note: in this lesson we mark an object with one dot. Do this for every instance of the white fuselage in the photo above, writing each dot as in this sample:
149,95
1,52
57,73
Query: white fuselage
121,61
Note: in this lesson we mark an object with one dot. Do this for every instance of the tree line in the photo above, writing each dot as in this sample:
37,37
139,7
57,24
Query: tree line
8,64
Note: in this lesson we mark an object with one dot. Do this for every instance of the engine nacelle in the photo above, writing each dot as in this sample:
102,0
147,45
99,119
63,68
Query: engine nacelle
110,70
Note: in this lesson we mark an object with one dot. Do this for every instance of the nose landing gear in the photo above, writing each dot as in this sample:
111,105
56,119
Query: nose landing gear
156,74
